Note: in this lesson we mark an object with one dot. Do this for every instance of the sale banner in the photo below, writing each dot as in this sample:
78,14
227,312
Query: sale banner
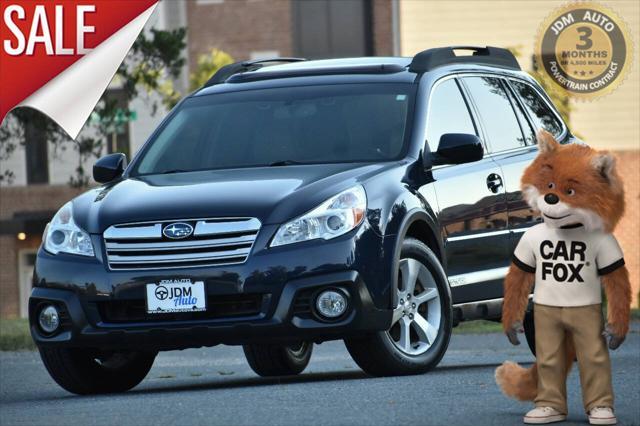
58,56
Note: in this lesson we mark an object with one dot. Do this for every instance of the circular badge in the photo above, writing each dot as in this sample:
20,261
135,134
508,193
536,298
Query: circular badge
584,48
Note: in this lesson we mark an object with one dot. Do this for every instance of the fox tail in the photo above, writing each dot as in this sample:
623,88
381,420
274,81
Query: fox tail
518,382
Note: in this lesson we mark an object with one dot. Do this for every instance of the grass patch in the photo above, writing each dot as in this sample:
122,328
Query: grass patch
15,335
478,327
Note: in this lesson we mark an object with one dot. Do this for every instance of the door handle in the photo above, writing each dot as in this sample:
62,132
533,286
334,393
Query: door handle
494,182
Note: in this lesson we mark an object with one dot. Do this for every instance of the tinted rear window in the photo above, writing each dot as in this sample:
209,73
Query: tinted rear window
496,112
540,113
310,124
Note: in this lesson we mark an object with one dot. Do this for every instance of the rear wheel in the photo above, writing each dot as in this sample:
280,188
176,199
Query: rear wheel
278,360
83,371
421,325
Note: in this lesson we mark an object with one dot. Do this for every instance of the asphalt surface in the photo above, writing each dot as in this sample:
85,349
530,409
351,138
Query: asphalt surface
215,386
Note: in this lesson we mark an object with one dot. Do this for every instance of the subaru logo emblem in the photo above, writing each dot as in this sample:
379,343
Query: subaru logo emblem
178,230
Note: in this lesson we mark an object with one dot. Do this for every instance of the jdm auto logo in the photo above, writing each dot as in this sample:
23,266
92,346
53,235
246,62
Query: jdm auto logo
178,230
161,292
585,48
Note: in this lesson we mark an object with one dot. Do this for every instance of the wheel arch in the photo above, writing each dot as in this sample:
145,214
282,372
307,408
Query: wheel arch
417,224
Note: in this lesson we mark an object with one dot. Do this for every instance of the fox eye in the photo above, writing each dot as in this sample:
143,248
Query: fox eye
571,192
551,185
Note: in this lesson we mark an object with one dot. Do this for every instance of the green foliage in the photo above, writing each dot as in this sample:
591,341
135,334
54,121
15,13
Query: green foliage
478,327
207,66
15,335
154,61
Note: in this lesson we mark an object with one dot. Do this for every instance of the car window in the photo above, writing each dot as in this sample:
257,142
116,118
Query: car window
525,124
497,115
448,113
538,109
304,124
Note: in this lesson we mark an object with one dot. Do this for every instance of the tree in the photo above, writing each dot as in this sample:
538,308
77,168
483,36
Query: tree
154,60
207,66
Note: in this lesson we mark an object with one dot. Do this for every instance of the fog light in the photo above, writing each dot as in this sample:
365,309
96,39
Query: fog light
49,319
331,303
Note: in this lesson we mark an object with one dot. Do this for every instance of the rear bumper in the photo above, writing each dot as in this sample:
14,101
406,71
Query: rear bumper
287,322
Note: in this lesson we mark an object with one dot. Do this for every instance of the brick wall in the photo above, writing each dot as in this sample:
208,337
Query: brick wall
8,277
23,199
628,231
382,28
239,27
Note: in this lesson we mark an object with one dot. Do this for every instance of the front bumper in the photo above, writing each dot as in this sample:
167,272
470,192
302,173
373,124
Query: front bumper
282,283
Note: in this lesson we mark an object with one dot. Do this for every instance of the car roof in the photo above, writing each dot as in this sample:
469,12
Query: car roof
342,71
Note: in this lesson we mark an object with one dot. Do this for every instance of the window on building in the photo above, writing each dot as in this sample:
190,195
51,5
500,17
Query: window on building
36,149
332,28
542,115
498,118
448,113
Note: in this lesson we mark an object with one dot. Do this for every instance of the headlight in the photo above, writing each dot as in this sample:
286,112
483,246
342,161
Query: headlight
336,216
63,235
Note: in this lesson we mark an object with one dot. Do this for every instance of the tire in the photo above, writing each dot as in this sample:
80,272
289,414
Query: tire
86,372
278,360
530,331
379,354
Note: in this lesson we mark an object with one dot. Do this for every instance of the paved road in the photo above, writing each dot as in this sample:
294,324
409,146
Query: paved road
216,387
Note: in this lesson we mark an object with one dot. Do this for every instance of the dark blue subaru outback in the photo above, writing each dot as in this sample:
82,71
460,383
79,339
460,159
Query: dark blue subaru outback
289,202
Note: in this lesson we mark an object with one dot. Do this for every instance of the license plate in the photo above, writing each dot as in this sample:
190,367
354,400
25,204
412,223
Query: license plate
176,296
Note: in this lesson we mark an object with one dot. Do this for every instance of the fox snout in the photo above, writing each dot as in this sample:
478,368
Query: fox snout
551,198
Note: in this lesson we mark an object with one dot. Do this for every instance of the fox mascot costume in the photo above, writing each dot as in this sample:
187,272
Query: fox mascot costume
568,257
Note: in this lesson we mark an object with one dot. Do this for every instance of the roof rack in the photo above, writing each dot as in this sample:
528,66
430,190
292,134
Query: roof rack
320,71
243,66
440,56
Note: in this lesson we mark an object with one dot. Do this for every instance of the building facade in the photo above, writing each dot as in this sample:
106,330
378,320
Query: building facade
257,29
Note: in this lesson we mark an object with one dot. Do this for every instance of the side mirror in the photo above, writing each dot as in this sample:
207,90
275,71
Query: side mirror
458,148
109,167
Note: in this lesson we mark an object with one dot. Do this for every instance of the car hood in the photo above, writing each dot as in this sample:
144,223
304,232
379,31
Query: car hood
271,194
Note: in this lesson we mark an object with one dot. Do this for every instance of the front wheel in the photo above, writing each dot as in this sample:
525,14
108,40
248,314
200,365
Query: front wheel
421,326
84,371
278,360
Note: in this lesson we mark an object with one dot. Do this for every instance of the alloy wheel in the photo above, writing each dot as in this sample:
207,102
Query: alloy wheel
416,319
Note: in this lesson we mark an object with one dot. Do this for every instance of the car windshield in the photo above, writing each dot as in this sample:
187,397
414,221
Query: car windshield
282,126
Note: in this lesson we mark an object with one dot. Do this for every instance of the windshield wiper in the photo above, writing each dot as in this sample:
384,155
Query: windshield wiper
168,172
284,163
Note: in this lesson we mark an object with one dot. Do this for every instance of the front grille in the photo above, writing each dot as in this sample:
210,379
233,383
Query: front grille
218,307
213,242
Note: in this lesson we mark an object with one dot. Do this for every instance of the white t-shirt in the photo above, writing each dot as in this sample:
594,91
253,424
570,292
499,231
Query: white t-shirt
568,263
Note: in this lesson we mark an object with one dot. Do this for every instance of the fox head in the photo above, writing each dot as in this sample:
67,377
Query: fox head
570,184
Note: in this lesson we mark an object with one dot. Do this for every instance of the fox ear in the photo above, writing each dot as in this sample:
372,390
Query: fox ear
546,142
604,163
